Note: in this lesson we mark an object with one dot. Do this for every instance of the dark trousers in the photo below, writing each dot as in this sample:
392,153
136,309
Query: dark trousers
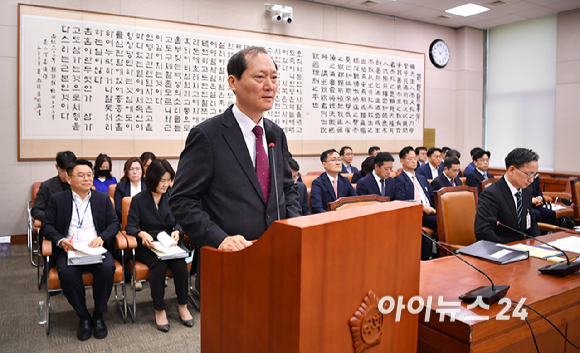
71,282
157,272
545,215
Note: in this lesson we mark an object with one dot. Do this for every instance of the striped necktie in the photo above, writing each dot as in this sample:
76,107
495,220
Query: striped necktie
519,208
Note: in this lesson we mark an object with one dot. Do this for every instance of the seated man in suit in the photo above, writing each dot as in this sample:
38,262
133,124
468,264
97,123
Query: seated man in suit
302,189
481,161
421,153
430,170
88,217
347,155
330,185
450,154
379,182
509,201
52,185
411,186
471,166
542,213
449,177
374,150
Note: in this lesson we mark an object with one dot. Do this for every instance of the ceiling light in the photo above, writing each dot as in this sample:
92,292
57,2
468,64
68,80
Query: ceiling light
467,10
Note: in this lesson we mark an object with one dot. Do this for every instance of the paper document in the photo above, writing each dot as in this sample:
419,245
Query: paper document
556,207
85,248
535,251
166,248
571,244
85,255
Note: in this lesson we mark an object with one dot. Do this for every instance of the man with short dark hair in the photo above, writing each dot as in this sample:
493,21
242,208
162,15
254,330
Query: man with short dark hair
374,150
451,154
330,185
379,181
481,162
509,201
80,216
302,189
411,186
471,166
430,170
421,153
444,151
347,156
449,177
53,185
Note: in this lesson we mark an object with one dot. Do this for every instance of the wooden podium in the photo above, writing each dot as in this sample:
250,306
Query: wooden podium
297,288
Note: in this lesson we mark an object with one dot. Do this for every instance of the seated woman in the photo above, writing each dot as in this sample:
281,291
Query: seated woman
103,168
146,159
366,167
149,215
131,184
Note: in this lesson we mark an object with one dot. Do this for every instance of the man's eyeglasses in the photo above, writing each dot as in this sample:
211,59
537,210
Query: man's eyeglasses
334,160
83,176
530,175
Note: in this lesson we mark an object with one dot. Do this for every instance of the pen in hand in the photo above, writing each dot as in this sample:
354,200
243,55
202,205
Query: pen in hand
71,242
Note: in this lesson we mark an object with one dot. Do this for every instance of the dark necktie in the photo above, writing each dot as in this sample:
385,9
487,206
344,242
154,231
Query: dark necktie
452,182
519,207
383,188
262,167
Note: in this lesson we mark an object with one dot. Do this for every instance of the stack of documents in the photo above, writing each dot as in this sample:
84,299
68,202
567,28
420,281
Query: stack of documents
166,248
571,244
85,255
535,251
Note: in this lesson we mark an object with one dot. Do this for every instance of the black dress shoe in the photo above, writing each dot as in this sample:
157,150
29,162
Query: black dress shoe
85,330
100,329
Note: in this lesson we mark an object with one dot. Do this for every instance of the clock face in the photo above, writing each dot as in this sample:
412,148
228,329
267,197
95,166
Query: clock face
439,53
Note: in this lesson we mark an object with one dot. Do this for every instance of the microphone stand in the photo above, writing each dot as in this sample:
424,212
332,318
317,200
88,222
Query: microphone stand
561,269
489,294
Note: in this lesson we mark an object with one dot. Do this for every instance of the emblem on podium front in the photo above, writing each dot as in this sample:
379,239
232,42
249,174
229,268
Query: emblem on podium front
366,324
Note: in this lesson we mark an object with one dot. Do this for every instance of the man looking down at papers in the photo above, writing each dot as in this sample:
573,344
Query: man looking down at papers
81,216
509,201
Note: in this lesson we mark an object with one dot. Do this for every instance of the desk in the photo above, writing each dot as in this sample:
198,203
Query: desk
556,298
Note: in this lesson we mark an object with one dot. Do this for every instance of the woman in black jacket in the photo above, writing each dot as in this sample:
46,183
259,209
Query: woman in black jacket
149,215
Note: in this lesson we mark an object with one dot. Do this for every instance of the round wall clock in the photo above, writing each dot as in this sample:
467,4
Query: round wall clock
439,53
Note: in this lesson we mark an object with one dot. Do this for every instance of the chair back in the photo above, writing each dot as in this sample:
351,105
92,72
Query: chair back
308,179
347,175
575,191
125,207
463,180
33,193
355,201
456,209
112,201
486,183
315,173
112,189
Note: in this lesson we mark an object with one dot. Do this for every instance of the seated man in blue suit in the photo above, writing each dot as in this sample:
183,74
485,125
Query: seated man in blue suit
449,177
330,185
411,186
302,189
481,161
379,181
471,166
450,154
81,216
347,156
430,170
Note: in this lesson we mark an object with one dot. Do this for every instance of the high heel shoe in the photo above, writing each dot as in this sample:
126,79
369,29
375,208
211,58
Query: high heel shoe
188,323
162,328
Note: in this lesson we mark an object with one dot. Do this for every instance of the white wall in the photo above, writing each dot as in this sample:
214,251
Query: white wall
453,96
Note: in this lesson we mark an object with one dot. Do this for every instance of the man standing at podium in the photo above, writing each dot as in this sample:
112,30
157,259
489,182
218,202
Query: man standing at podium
224,194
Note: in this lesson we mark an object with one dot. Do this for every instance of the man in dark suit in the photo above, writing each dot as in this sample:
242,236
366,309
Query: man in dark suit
410,186
224,193
347,155
81,216
430,170
421,154
449,177
509,201
52,185
302,189
471,166
481,162
330,185
451,154
379,182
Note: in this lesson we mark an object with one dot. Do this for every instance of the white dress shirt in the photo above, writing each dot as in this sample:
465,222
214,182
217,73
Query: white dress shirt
135,190
81,225
247,125
434,171
424,198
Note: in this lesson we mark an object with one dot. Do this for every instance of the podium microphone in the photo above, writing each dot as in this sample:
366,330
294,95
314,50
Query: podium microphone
561,269
489,294
271,139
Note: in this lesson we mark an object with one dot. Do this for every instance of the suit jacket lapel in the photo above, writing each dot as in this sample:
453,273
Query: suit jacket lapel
328,185
376,188
235,140
68,210
94,207
508,198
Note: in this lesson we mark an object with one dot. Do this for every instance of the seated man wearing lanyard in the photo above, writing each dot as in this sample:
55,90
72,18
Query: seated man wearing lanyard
81,216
